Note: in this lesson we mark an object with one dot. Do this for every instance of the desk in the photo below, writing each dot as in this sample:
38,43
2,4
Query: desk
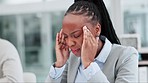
144,56
143,63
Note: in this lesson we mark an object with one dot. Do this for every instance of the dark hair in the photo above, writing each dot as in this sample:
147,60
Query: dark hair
97,11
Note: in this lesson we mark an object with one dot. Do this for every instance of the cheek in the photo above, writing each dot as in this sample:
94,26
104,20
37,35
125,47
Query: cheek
80,41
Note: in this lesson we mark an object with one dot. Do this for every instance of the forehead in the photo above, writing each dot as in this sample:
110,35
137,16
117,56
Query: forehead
73,22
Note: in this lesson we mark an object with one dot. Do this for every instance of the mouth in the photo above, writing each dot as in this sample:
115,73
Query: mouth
75,51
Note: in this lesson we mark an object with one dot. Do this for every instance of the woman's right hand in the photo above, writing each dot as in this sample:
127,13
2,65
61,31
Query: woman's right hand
62,50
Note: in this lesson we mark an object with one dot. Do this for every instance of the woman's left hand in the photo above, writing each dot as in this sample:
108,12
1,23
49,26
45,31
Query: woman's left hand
89,47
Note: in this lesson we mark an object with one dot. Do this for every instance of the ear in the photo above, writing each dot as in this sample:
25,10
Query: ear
98,29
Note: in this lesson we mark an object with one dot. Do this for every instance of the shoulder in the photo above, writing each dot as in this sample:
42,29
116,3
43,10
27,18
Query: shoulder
124,53
124,50
7,48
4,44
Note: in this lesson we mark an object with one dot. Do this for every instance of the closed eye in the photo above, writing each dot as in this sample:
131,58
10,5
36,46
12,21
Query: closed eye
76,35
65,36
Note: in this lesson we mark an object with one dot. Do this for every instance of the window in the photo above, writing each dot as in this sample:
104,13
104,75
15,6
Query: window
135,14
8,28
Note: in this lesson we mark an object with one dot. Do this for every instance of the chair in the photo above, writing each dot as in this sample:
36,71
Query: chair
29,77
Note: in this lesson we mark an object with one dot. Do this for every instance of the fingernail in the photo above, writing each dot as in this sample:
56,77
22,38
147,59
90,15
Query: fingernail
84,27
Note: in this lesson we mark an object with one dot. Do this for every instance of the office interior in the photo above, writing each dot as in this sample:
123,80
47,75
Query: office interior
31,25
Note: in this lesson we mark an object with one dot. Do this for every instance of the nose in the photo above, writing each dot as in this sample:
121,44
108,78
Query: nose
70,42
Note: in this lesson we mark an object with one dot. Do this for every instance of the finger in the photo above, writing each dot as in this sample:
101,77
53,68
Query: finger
67,47
62,46
97,38
61,33
57,38
60,36
89,40
58,44
62,40
84,34
90,36
92,41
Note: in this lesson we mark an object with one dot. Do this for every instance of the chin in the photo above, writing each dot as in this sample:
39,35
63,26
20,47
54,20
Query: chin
77,54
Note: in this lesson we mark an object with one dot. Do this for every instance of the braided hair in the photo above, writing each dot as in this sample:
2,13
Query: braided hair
96,10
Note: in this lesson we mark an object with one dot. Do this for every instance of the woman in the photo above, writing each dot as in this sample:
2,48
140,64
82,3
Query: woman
10,65
88,49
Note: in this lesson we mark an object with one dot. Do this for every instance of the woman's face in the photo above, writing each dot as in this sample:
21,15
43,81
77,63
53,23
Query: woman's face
72,26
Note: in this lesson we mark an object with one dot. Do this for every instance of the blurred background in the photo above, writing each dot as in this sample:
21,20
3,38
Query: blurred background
31,25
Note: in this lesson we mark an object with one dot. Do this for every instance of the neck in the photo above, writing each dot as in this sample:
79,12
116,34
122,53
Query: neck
100,46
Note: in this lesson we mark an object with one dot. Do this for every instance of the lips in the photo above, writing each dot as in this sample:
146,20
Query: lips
75,51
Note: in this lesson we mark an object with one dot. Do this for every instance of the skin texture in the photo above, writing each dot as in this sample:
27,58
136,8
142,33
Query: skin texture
80,36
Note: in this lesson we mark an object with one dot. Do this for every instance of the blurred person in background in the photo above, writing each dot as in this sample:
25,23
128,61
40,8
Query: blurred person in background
10,65
88,49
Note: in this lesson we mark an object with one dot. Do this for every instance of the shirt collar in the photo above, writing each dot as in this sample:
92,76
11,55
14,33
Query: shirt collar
105,51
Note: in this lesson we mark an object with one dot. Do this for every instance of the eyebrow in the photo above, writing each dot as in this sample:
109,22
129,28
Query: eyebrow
72,32
75,31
